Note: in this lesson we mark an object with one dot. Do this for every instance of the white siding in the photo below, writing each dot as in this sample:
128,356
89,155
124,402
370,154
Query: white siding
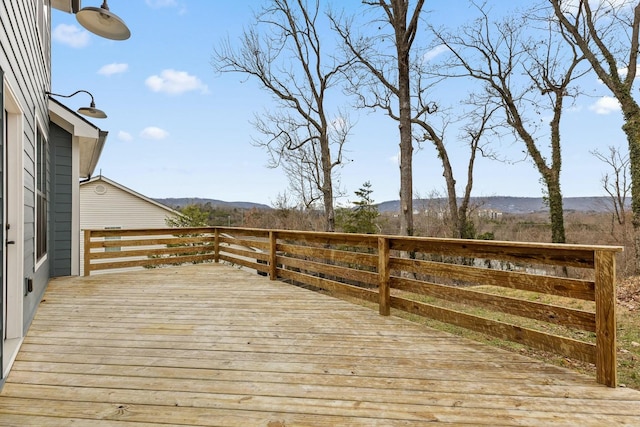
115,207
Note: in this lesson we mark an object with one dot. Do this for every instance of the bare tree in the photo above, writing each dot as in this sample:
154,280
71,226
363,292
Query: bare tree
520,75
302,165
283,51
388,78
432,211
617,185
473,133
608,36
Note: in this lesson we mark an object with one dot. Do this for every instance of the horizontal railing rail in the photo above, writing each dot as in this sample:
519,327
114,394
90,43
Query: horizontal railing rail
553,297
121,248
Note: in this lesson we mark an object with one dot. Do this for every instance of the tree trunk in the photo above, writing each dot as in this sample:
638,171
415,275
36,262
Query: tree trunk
584,30
327,185
455,215
406,138
552,174
632,129
556,210
406,180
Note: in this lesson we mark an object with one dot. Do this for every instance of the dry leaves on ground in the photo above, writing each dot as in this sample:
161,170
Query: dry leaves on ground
629,293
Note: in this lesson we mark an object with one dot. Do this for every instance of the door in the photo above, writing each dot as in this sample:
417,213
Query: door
10,226
3,275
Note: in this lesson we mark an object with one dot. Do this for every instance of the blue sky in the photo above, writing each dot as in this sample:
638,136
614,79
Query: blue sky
177,129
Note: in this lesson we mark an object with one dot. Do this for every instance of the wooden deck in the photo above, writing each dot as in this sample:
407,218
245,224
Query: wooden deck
214,345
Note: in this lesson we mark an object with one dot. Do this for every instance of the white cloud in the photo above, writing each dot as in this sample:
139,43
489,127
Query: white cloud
613,4
70,35
153,132
159,4
125,136
435,52
622,72
156,4
175,82
395,160
605,105
115,68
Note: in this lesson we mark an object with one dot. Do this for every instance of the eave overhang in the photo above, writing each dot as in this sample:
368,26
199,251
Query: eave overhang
91,139
69,6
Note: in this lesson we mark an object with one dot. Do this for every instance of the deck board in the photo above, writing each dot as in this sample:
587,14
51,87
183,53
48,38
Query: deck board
213,345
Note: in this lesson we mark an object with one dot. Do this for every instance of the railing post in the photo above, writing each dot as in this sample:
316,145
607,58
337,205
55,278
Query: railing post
87,252
273,268
605,280
383,276
216,245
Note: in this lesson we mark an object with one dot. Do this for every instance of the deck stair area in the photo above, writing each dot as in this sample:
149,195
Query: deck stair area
212,344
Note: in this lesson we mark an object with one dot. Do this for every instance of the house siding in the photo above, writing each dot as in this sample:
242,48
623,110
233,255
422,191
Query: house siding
116,207
2,203
61,203
25,59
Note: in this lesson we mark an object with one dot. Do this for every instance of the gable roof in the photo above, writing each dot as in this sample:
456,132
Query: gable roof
130,191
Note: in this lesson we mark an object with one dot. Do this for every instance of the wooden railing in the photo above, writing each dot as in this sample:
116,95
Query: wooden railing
495,288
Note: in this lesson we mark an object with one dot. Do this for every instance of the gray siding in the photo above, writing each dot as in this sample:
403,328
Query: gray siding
60,202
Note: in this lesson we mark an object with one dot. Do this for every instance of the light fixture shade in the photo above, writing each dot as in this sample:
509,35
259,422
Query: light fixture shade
101,21
92,112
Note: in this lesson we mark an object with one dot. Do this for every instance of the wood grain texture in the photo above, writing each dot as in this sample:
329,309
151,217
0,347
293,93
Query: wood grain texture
552,285
580,350
152,262
333,255
549,253
573,318
384,287
606,365
323,269
205,345
360,266
248,243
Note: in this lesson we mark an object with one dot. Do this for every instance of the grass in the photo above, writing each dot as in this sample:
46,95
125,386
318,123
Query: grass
629,332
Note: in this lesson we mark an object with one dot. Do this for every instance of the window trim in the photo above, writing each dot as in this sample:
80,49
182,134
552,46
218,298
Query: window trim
43,28
41,196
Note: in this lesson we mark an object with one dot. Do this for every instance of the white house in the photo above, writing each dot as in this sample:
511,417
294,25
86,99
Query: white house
45,149
105,204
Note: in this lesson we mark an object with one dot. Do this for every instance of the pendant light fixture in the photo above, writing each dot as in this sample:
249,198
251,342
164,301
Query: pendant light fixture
103,22
90,111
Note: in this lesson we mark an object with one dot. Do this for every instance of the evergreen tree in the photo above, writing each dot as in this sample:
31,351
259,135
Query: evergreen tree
192,216
362,217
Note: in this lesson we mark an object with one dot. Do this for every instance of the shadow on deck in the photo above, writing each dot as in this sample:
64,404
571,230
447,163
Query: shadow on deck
214,345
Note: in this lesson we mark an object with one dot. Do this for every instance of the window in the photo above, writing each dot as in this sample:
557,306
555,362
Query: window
41,194
42,16
112,248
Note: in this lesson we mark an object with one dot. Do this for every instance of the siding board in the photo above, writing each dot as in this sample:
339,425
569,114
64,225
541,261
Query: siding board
60,202
117,206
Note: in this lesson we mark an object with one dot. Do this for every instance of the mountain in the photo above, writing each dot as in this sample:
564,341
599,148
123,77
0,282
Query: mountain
512,205
185,201
504,204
